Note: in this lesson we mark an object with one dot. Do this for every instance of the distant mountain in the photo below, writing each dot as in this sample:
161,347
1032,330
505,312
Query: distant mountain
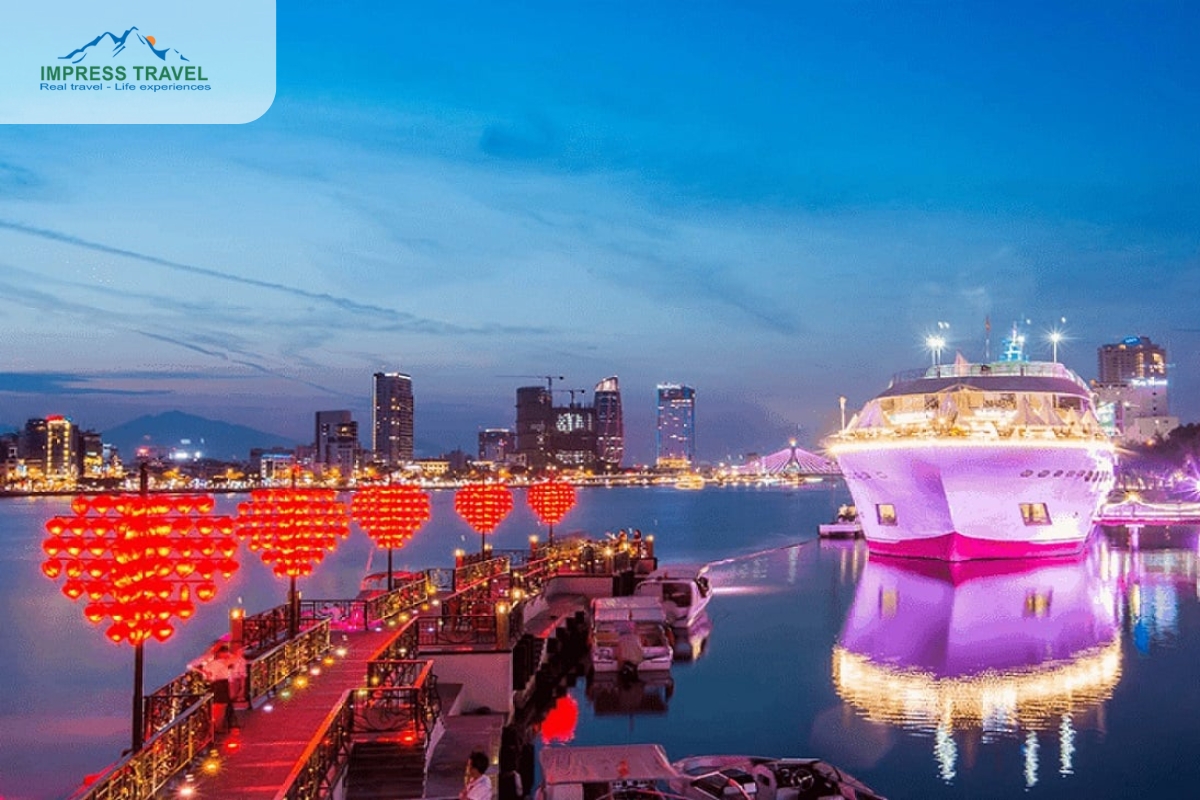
221,440
129,47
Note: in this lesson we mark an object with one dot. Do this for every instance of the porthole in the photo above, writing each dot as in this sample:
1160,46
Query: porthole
1025,473
1043,473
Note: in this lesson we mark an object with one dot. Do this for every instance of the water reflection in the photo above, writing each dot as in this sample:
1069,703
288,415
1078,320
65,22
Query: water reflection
975,651
1154,567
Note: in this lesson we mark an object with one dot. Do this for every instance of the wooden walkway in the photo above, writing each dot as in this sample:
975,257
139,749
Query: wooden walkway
270,743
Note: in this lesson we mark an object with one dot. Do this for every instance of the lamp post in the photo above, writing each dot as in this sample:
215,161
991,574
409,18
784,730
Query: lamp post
1055,337
935,345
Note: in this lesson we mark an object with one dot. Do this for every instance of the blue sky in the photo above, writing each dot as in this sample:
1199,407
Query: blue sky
774,203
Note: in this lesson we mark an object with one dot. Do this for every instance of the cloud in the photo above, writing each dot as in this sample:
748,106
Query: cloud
62,383
392,319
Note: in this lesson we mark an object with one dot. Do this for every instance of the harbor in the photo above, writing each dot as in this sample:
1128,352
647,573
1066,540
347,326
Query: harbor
778,593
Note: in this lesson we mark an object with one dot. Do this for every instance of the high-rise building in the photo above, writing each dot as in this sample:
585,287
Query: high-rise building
535,420
1132,357
1131,391
329,426
495,444
573,440
392,418
610,426
675,433
51,447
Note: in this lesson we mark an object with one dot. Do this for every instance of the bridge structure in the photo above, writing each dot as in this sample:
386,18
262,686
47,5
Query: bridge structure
1131,513
355,705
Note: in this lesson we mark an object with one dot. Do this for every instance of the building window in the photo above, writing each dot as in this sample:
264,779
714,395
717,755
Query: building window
886,513
1035,514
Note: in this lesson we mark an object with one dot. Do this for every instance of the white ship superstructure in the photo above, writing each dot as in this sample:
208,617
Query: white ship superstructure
962,461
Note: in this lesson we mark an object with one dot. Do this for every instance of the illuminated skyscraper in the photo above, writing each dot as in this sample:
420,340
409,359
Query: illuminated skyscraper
1132,357
1132,389
610,427
392,418
495,444
675,433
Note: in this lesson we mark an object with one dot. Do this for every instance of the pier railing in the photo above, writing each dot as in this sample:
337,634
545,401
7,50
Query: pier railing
459,629
277,665
474,572
264,630
364,613
142,774
405,644
401,696
405,701
319,767
169,702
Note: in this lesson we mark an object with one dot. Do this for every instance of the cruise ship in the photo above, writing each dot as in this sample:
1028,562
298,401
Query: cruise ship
963,461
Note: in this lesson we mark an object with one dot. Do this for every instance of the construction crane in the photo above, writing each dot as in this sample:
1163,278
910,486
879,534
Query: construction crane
572,392
549,379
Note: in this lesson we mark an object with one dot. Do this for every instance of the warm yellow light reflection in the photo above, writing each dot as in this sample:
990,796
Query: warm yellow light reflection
1031,698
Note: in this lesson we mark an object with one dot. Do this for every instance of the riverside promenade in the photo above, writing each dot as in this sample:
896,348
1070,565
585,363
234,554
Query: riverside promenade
373,699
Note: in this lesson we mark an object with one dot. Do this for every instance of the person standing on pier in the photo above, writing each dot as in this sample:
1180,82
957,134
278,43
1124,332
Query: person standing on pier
476,785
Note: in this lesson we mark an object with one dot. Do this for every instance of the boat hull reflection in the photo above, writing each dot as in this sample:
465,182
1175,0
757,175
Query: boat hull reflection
1005,647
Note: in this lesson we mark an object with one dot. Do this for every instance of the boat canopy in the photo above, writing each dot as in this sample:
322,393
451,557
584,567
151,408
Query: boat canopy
601,764
617,609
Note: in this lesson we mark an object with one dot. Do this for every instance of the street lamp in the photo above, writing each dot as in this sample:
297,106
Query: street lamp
1055,337
935,344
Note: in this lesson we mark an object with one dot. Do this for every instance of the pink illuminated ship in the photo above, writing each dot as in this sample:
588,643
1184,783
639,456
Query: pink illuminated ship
962,461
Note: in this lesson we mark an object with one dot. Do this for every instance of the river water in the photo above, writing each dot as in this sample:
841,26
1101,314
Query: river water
1066,678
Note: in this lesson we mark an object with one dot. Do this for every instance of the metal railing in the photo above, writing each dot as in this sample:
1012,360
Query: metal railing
142,774
275,666
412,705
405,644
264,630
405,597
474,572
1038,369
167,703
400,696
460,629
318,769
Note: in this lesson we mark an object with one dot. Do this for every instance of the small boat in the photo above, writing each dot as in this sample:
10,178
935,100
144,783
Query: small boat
630,635
621,772
846,525
642,772
761,778
683,592
689,482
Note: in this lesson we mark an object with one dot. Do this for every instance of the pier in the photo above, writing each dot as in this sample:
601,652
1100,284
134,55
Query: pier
379,698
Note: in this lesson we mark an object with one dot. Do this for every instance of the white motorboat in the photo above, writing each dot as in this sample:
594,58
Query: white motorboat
762,778
683,592
846,525
642,772
630,635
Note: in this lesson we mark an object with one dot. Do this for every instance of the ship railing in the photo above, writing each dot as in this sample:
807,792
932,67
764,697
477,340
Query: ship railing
1032,369
998,434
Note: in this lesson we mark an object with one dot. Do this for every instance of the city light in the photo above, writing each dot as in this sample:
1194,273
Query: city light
935,344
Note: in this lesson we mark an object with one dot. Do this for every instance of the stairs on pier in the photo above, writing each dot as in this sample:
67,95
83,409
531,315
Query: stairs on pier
385,770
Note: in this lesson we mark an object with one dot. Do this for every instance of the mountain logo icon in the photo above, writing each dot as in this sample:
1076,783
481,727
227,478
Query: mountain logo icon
109,47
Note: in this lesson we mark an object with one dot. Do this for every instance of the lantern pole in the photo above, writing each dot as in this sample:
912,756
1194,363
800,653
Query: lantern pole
139,660
138,724
389,583
293,609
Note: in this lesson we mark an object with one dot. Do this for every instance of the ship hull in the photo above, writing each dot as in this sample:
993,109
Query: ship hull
959,500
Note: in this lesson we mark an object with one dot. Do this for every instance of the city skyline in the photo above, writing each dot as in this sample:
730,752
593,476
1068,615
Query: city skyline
776,204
